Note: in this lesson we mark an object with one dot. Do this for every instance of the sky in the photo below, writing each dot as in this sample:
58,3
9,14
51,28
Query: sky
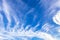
29,19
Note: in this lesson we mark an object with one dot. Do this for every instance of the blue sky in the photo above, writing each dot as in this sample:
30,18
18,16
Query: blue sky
27,15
